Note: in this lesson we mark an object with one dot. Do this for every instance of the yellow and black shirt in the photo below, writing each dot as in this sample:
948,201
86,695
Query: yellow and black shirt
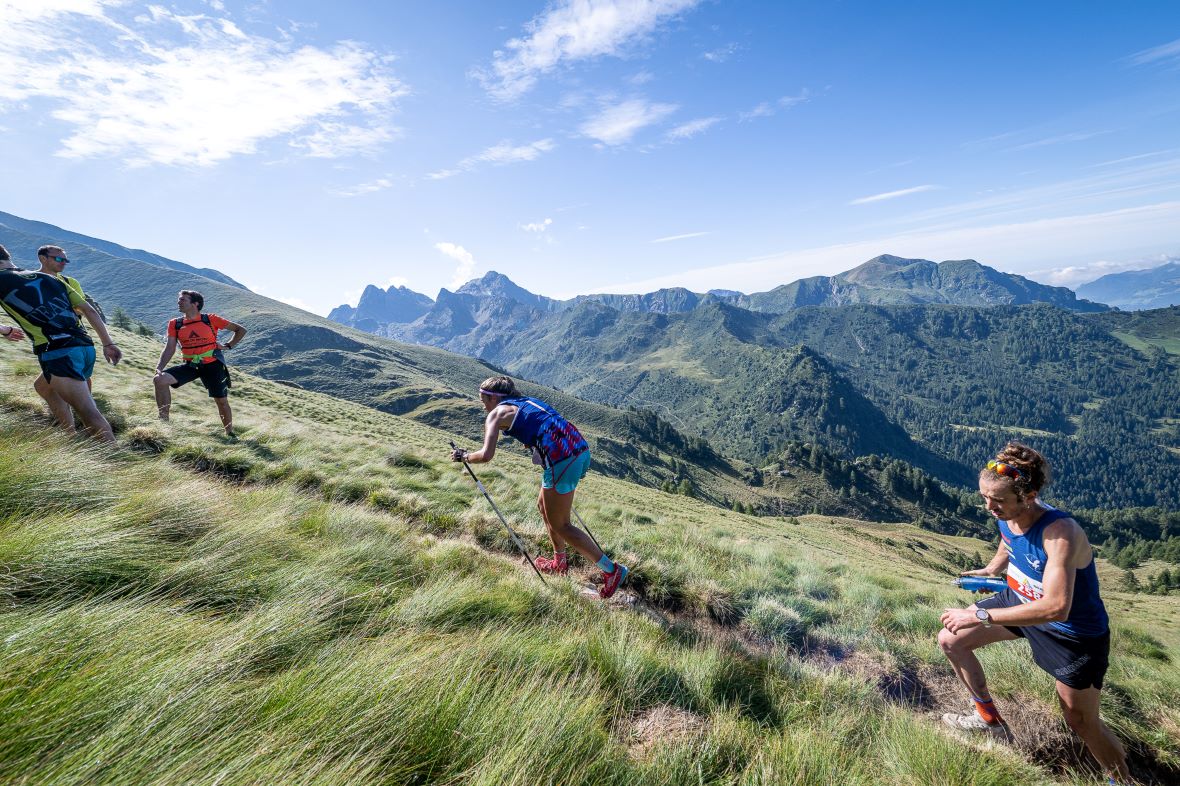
44,307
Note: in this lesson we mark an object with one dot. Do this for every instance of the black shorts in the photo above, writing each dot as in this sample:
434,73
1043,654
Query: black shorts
1078,661
214,376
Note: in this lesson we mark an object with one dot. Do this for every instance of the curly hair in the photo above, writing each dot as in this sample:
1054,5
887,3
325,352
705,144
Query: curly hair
501,386
1031,469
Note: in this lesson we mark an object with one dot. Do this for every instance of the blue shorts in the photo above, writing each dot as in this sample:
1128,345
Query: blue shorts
71,362
563,476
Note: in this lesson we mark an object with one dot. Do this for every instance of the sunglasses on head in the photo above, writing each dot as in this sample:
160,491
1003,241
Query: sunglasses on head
1007,470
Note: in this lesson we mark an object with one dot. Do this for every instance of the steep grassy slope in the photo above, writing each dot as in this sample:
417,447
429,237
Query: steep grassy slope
327,600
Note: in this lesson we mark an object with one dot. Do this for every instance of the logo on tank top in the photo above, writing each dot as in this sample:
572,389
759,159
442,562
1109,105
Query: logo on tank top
1036,563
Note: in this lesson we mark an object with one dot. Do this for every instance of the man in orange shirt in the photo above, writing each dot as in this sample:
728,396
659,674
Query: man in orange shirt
202,355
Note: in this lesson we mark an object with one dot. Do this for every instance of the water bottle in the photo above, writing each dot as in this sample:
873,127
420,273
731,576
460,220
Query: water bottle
980,583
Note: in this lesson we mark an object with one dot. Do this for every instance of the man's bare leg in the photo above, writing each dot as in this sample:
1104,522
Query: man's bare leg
76,393
1080,708
163,384
227,415
58,407
959,649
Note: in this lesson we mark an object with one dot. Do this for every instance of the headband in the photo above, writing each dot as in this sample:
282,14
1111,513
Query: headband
491,392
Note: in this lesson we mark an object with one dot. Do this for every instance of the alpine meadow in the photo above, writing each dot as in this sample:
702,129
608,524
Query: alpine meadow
589,393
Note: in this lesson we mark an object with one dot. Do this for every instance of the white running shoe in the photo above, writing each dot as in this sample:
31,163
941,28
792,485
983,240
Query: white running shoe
974,724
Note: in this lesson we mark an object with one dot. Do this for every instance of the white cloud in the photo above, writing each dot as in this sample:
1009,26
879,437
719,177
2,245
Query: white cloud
297,303
670,238
360,189
498,155
762,110
1168,51
573,30
336,140
770,108
188,90
1076,275
537,227
616,124
893,194
786,102
721,54
692,128
466,268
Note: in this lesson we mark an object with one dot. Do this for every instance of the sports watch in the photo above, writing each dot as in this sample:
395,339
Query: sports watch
984,617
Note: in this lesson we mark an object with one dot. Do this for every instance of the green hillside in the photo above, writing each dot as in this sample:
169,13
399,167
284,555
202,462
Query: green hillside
938,386
328,600
1144,329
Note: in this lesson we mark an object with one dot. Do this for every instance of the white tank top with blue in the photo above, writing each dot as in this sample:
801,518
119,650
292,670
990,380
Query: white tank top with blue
1026,574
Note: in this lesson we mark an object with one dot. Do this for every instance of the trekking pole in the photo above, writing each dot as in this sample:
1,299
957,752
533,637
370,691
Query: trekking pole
504,521
582,524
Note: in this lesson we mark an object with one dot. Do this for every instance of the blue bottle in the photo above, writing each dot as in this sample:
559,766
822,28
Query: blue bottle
980,583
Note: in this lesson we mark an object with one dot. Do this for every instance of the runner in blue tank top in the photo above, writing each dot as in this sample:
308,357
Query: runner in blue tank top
559,447
1051,600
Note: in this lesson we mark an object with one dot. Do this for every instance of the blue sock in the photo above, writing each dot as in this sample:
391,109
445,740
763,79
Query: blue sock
605,564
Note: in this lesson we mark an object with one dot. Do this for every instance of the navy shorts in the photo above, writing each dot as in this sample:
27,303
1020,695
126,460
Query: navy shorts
1078,661
72,362
214,376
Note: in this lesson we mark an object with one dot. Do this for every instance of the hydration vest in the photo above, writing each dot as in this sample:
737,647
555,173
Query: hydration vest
538,426
201,351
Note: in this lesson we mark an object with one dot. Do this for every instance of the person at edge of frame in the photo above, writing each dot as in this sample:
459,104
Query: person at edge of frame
1051,601
45,311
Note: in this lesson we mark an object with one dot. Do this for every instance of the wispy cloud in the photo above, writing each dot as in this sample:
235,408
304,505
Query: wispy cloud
498,155
1163,52
573,30
616,125
893,194
1128,159
763,109
1073,136
770,108
537,227
1006,246
895,165
691,128
360,189
193,90
465,270
686,236
721,53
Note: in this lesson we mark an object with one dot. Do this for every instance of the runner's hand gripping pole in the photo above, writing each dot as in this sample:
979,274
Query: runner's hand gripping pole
504,521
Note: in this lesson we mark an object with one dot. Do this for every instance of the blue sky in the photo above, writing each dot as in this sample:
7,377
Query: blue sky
581,146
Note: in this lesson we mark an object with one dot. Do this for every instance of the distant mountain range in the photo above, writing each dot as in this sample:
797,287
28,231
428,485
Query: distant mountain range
883,280
1158,287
